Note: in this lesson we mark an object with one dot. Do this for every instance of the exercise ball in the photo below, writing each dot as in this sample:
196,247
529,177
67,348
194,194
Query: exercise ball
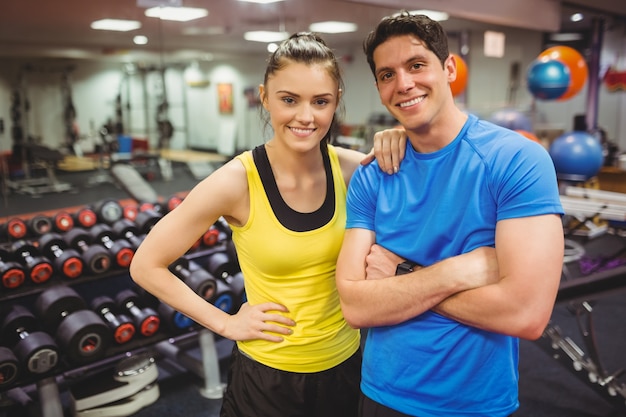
458,85
548,79
577,156
529,135
511,119
576,64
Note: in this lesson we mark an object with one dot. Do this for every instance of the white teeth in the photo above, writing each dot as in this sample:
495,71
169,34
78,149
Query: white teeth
301,131
412,102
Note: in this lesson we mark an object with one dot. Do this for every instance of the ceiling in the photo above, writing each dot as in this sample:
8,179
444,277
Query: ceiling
60,28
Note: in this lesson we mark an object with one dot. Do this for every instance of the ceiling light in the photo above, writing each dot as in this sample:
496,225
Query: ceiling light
265,36
140,40
116,24
433,14
261,1
178,14
576,17
272,47
204,31
333,27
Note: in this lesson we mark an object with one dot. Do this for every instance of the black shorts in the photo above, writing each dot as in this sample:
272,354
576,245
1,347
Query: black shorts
370,408
256,390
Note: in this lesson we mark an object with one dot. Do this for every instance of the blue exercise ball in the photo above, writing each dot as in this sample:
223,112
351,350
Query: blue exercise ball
511,119
548,79
577,156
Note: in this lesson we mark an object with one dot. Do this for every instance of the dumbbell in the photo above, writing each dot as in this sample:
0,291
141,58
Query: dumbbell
85,217
108,210
38,268
225,298
121,325
14,228
199,280
221,265
211,237
35,349
9,367
66,261
146,219
145,318
81,333
62,221
175,320
97,258
39,225
12,274
120,249
128,230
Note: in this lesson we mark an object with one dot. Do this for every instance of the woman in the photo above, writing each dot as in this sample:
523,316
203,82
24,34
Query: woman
285,204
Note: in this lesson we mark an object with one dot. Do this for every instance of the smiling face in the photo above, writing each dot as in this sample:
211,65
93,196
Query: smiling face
411,82
301,100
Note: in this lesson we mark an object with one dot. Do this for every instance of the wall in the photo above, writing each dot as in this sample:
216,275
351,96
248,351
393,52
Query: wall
198,123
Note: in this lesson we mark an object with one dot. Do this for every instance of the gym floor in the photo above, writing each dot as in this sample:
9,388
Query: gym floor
547,388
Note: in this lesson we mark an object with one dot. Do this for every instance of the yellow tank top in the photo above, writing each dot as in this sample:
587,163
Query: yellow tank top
297,270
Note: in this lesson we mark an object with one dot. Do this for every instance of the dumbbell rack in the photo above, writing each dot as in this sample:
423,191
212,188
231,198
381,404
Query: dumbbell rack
166,344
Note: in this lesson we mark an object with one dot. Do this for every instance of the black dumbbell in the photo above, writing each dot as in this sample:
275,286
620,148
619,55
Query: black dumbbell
62,221
225,298
97,258
39,225
221,265
85,217
9,367
146,319
12,274
128,230
36,350
81,333
38,268
175,320
66,261
146,219
121,325
108,210
120,249
14,228
201,281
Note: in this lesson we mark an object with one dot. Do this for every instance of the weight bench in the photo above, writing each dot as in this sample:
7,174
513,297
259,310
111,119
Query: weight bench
42,157
133,183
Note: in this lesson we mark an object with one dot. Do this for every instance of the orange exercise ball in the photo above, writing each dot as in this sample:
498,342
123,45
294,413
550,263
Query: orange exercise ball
576,64
458,86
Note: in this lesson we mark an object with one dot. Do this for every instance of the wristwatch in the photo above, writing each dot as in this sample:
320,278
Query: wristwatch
406,267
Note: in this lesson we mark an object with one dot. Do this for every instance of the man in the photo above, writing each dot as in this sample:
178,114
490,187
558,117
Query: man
443,335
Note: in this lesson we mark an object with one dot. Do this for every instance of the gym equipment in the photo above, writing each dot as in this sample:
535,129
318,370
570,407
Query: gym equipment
511,119
575,63
39,225
211,237
12,274
108,210
96,258
81,333
175,320
15,228
37,268
9,367
35,349
548,79
122,391
577,156
225,297
62,221
121,249
146,319
201,281
133,183
67,261
458,85
121,325
85,217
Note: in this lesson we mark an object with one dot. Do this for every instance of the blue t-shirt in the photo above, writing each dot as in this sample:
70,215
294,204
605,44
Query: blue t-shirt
439,205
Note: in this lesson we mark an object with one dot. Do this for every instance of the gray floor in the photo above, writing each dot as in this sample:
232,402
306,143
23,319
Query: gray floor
547,388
